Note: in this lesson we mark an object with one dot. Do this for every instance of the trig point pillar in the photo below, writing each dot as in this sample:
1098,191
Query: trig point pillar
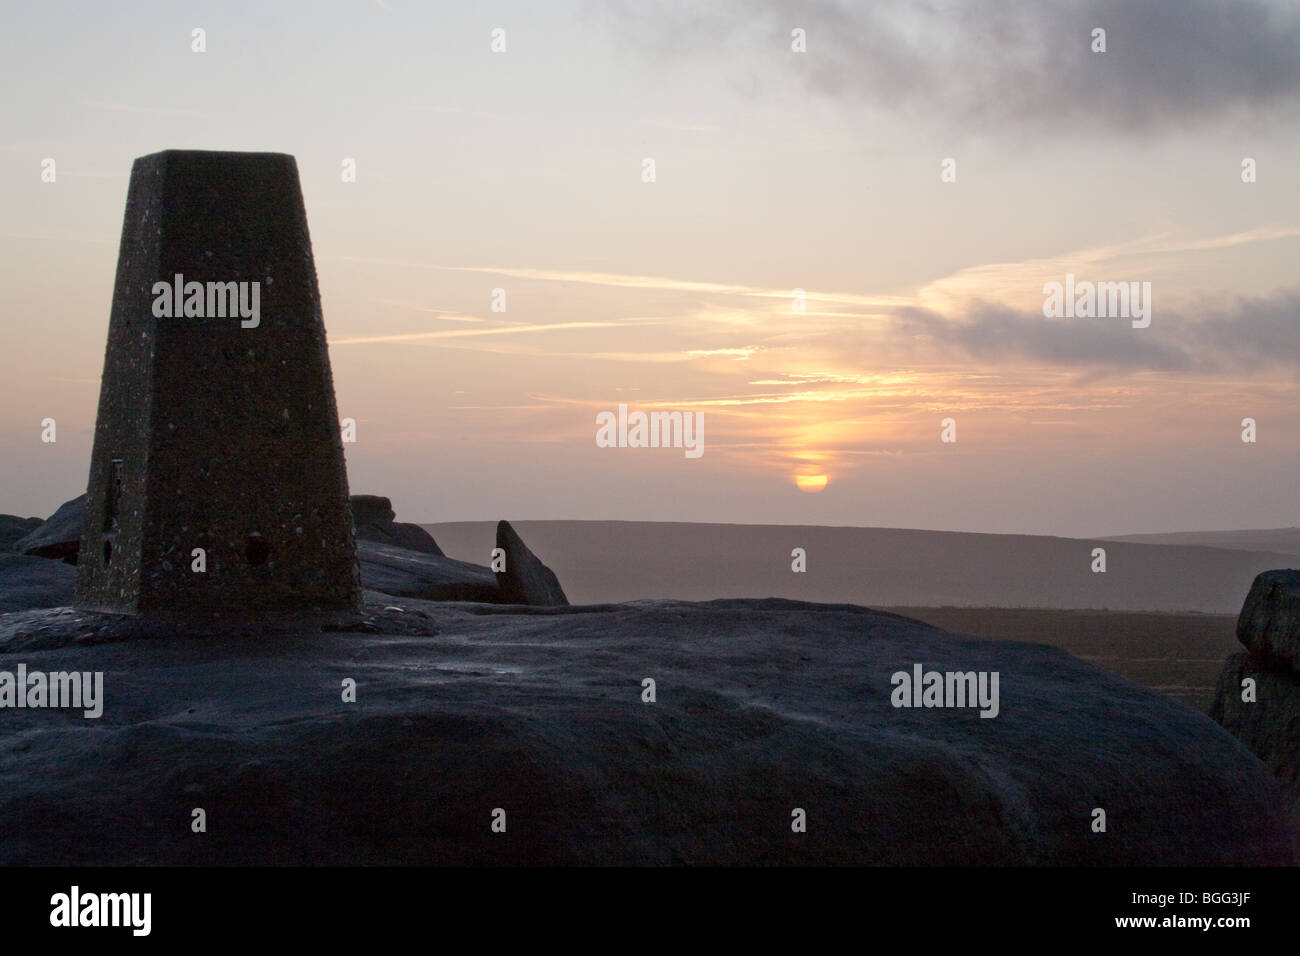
217,481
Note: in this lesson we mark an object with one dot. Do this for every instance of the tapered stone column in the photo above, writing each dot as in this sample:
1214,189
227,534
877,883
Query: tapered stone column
217,441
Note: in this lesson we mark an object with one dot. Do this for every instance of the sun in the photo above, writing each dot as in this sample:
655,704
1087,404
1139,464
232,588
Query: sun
810,483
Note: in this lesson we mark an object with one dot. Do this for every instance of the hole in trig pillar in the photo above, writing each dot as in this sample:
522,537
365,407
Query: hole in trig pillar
113,499
257,550
112,503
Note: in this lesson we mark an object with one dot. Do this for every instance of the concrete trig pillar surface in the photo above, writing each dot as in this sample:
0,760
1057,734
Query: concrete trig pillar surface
217,428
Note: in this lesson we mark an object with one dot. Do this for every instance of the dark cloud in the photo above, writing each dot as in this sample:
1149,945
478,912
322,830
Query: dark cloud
1257,332
1262,333
989,63
991,334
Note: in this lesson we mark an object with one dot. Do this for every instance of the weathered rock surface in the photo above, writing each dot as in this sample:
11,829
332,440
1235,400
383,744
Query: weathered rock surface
1269,624
373,516
12,528
404,573
28,582
59,536
1270,725
526,580
762,706
49,629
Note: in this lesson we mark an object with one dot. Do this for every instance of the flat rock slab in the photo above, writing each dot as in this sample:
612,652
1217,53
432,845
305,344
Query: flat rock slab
27,582
400,534
59,536
762,706
405,573
1269,623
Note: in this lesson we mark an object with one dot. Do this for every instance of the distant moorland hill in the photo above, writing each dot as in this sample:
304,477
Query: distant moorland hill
1283,540
602,561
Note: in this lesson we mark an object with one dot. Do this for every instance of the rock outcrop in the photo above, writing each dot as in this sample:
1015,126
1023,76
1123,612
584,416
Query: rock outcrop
373,516
13,528
1269,623
59,536
1270,724
1258,694
525,580
760,708
396,558
371,509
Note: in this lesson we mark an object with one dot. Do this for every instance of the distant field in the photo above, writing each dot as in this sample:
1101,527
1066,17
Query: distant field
1177,654
612,561
1284,540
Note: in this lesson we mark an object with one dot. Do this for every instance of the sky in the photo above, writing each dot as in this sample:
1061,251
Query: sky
774,170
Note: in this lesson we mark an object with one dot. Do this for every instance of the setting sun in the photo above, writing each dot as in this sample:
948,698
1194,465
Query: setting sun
810,483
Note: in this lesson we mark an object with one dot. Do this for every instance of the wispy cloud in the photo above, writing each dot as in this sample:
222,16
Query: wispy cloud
639,282
988,314
501,330
449,315
1019,284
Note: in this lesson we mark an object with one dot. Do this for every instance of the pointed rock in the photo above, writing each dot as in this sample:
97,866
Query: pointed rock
526,580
